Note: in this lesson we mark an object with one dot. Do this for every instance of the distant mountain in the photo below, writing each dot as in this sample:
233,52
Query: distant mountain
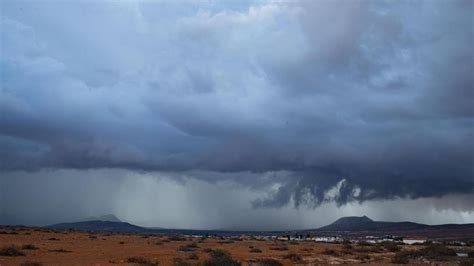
107,217
100,226
349,225
364,223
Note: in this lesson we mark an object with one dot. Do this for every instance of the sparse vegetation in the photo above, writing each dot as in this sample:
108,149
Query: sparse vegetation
192,245
330,252
281,247
185,249
437,252
470,254
368,249
400,258
255,250
364,243
29,247
346,246
390,246
141,261
31,263
61,250
363,257
11,251
180,262
176,238
219,257
248,250
226,242
188,248
268,262
293,257
193,256
467,262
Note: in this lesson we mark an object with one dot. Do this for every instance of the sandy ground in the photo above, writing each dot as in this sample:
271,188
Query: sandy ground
82,248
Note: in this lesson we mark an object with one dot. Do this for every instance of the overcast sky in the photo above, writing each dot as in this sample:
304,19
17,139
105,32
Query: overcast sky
236,114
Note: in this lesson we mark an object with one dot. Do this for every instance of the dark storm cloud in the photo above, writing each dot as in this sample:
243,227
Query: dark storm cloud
377,94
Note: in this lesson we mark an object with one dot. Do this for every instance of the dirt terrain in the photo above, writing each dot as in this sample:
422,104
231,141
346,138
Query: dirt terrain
64,247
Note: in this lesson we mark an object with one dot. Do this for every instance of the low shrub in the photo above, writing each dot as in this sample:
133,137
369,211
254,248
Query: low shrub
180,262
364,243
390,246
141,261
470,254
400,259
11,251
293,257
368,249
330,252
219,257
466,262
31,263
176,238
188,247
29,247
268,262
192,245
346,245
432,251
363,257
279,247
436,251
59,250
185,249
255,250
193,256
226,242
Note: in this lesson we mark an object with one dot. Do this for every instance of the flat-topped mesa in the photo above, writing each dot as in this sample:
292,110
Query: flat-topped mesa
350,223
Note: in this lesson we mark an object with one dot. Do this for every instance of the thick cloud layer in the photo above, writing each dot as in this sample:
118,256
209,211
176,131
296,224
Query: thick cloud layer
318,100
156,199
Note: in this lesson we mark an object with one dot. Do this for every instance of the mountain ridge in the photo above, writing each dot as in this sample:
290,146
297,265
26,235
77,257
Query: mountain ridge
105,218
364,223
343,224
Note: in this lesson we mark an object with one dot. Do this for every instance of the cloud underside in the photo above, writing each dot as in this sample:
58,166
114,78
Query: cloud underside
319,100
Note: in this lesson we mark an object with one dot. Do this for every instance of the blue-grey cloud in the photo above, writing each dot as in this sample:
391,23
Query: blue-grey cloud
378,94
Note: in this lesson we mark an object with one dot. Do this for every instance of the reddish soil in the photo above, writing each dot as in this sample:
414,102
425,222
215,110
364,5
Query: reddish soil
82,248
